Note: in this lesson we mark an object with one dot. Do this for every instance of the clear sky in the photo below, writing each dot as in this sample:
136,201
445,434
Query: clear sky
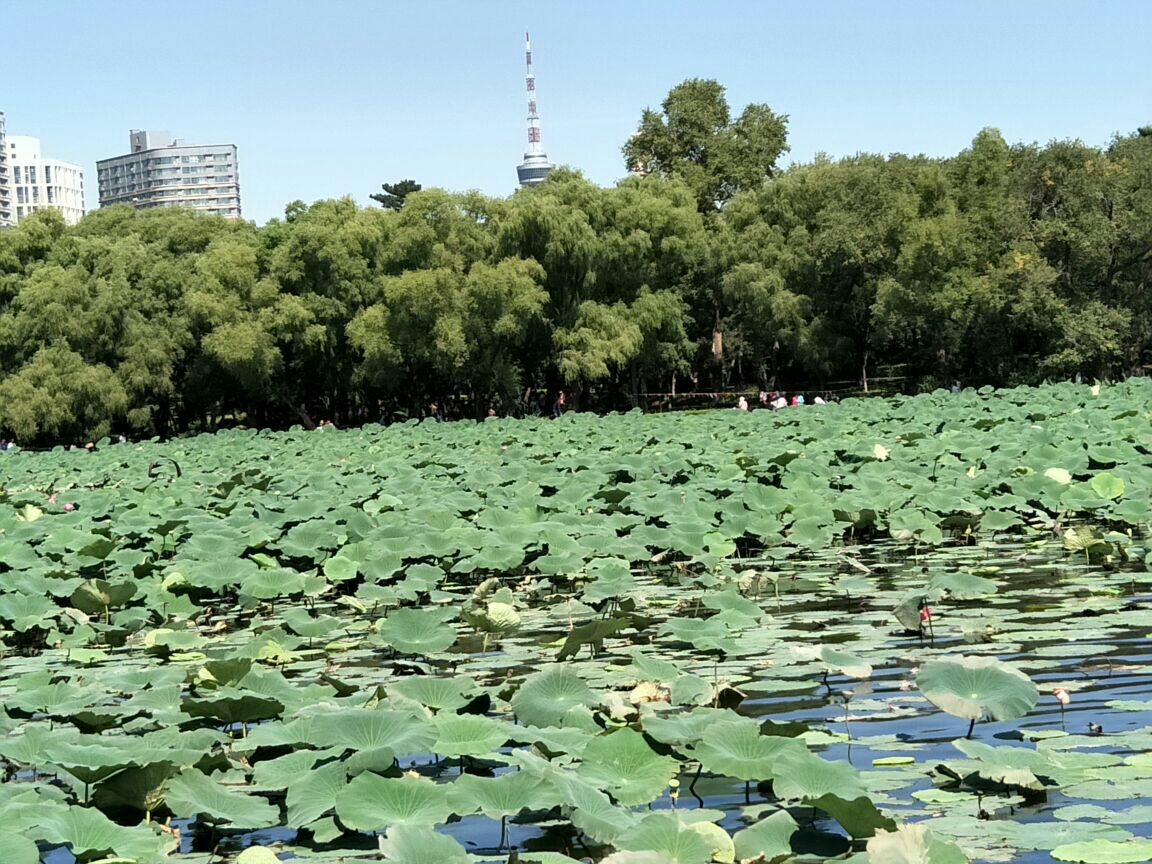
332,97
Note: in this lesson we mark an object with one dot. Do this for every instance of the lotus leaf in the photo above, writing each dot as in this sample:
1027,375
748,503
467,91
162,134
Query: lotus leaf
17,849
972,687
191,793
371,803
770,837
496,797
912,844
413,631
257,855
417,844
314,792
622,764
546,698
401,732
667,835
469,735
736,748
1105,851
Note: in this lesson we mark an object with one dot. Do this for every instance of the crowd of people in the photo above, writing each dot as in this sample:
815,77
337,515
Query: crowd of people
775,400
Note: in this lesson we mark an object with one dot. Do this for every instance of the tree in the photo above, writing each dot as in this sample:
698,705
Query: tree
392,198
694,138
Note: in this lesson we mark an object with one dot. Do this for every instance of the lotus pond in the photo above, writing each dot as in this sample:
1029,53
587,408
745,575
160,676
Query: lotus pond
911,630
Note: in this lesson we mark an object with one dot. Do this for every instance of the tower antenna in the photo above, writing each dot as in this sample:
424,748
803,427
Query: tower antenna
535,166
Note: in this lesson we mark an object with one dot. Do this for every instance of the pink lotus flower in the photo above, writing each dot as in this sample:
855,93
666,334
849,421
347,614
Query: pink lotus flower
926,613
52,498
1062,696
69,506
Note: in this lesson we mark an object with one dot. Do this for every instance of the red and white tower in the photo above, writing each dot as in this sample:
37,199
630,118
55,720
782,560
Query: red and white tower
535,166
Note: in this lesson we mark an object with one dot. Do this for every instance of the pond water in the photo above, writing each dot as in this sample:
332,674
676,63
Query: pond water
1069,624
693,637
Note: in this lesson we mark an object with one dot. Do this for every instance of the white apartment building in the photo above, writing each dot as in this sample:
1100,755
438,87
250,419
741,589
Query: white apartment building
6,216
164,172
40,183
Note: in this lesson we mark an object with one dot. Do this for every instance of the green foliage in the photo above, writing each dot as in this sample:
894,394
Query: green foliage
713,268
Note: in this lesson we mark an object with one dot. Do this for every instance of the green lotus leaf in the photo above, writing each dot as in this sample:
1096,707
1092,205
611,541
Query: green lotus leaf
667,835
191,793
496,797
635,858
622,764
835,660
314,792
418,844
858,816
230,705
371,802
962,586
340,569
723,849
545,698
88,833
470,735
799,773
401,732
1107,485
593,812
257,855
913,844
736,748
419,631
493,618
1105,851
140,788
97,596
770,838
16,849
269,584
26,611
974,687
436,693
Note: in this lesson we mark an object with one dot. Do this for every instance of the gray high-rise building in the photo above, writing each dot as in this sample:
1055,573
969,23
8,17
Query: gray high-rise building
6,217
535,166
164,172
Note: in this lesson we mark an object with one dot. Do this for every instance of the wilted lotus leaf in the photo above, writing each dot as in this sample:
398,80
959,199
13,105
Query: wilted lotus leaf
913,844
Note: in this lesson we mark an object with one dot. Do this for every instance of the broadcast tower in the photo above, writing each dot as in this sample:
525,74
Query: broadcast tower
535,166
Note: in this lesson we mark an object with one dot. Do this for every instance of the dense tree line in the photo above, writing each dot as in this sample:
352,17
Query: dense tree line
709,267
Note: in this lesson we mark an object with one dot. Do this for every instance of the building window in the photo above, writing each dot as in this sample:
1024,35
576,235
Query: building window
16,174
47,174
31,173
20,195
51,198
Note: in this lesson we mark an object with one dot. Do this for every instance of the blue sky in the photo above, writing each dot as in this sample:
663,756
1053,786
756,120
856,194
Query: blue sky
333,97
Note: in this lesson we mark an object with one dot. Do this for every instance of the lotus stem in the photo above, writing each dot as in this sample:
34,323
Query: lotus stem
971,726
